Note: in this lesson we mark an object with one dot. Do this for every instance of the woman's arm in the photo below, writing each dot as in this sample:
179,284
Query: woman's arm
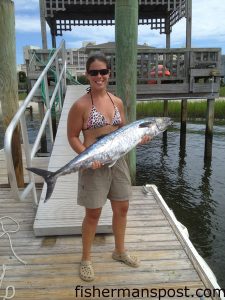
74,127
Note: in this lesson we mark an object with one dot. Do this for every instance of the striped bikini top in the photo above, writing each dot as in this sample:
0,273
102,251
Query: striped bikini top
97,120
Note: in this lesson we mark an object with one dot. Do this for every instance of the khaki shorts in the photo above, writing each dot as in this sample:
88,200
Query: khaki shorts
95,186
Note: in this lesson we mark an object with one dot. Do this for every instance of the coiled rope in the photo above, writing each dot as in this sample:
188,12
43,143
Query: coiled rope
7,233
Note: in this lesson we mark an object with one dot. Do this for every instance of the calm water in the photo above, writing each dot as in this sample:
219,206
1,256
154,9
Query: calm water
194,190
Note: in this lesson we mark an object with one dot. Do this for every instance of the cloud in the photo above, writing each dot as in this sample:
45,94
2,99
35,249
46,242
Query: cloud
104,34
26,5
208,25
24,23
151,37
98,34
27,17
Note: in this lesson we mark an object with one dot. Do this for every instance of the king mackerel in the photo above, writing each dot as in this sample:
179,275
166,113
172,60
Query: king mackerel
107,149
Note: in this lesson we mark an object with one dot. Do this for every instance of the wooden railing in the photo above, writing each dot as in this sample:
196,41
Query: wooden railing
176,71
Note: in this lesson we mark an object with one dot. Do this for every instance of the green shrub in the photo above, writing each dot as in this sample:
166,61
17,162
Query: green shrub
82,79
22,76
195,109
222,91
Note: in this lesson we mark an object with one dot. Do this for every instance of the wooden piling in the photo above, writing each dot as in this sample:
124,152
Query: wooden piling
165,114
43,24
183,116
209,129
188,23
8,81
126,28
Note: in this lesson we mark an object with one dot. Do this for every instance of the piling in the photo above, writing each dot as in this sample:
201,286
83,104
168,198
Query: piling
43,24
165,114
8,81
183,116
126,30
209,129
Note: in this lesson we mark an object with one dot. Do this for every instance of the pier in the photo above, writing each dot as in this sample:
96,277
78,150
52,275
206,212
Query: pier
49,240
41,244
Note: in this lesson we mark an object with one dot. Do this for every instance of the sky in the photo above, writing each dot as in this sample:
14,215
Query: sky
208,29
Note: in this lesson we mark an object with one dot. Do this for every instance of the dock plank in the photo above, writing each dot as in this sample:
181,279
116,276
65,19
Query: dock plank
61,214
52,265
40,162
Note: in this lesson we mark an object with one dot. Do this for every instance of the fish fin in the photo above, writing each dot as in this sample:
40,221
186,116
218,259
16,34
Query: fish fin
49,178
112,164
145,124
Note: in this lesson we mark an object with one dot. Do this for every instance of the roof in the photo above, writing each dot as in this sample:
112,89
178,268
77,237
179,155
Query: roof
62,15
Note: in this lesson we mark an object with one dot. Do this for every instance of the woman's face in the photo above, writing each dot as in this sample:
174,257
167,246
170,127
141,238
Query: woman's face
98,75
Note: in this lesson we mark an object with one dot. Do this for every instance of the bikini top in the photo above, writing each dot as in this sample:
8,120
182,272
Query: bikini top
96,118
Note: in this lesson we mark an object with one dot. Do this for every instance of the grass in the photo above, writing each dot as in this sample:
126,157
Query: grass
22,96
196,109
222,91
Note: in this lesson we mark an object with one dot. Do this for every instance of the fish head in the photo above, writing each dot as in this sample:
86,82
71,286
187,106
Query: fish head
163,123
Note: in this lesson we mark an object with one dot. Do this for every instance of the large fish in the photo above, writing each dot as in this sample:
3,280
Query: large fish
107,149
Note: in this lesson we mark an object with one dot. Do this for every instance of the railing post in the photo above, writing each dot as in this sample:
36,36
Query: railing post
57,77
20,117
48,107
64,65
41,108
28,155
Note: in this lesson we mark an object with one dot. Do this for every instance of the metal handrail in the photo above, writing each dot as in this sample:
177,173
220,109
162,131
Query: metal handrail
20,117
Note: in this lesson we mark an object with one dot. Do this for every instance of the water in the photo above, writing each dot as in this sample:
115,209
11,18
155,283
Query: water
33,125
194,190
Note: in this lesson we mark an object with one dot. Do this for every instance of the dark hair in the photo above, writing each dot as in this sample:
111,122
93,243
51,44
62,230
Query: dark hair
96,56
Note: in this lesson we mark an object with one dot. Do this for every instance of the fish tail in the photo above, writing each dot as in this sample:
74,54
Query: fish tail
49,178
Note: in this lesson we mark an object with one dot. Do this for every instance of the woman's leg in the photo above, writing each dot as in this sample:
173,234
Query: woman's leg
120,209
119,222
89,226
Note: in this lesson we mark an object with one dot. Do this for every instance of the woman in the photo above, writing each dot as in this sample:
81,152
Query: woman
95,114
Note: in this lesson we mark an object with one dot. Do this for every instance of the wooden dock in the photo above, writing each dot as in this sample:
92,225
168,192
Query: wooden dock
169,263
61,215
52,265
39,162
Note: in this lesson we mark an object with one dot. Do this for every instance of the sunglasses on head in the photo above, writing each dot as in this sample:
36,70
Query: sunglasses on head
96,72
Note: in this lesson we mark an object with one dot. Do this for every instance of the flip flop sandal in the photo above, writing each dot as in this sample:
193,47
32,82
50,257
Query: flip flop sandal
126,258
86,270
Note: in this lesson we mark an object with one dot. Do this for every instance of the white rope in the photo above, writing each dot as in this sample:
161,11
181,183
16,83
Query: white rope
7,232
6,296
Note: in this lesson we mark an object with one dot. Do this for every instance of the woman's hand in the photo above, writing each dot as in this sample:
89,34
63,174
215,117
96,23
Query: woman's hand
96,164
146,139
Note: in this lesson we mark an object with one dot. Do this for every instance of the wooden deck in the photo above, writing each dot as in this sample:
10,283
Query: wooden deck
40,162
61,215
169,262
52,265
